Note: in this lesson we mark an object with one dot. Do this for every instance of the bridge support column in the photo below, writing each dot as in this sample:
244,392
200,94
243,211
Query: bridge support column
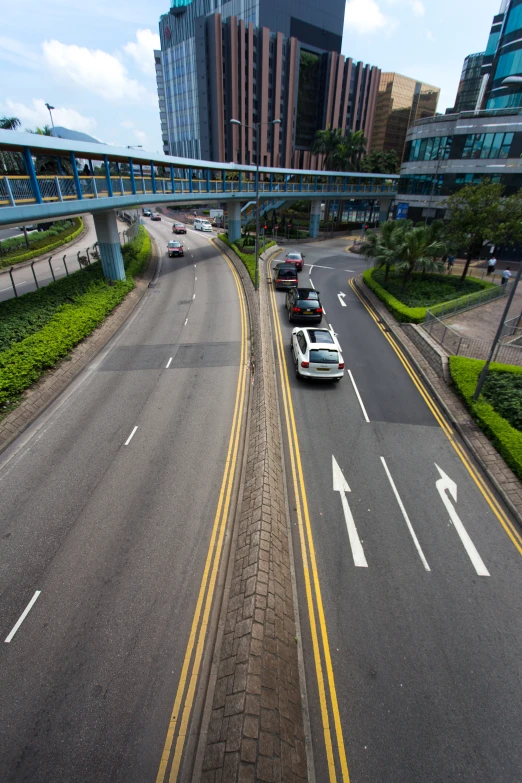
315,217
109,244
384,208
234,220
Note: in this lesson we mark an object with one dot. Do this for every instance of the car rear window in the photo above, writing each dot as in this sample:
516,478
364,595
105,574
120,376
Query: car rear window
323,356
307,303
287,274
320,336
304,294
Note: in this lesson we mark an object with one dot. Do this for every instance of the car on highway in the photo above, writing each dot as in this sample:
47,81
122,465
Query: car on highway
200,224
146,212
285,276
317,354
175,249
155,216
304,303
179,228
295,258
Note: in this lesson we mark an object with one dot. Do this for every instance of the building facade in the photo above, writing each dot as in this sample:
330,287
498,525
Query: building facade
469,86
502,63
257,62
400,102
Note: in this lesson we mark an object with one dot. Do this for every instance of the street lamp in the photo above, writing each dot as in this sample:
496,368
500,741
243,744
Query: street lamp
50,114
256,126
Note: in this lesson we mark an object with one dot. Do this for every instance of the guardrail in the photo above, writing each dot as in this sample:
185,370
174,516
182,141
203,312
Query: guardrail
468,302
457,344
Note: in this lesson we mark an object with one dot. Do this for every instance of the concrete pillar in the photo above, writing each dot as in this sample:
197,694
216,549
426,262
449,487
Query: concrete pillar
315,217
234,220
106,227
384,208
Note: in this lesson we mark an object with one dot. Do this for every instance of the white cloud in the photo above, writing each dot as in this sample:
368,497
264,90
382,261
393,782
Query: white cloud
127,124
16,53
37,114
418,8
365,16
140,135
94,70
143,49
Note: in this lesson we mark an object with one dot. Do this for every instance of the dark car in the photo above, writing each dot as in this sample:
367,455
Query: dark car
179,228
292,257
175,249
285,276
146,212
155,216
304,303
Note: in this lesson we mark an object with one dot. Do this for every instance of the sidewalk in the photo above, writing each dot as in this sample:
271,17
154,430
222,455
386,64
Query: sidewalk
482,322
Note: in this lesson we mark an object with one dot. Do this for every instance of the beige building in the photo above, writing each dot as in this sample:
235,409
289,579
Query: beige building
400,101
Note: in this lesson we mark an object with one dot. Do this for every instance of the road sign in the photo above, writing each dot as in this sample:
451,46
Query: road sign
402,211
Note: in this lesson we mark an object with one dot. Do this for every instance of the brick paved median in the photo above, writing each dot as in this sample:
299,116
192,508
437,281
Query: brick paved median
255,731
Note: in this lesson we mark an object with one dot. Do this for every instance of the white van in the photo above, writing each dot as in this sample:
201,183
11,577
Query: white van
202,225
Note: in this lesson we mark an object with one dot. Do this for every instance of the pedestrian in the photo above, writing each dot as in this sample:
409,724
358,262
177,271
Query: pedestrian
506,274
86,171
491,265
451,261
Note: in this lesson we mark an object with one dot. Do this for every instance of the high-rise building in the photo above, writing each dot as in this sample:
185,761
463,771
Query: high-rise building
400,102
502,65
256,62
469,85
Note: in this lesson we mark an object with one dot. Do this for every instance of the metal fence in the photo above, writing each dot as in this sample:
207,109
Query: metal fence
512,331
457,344
467,302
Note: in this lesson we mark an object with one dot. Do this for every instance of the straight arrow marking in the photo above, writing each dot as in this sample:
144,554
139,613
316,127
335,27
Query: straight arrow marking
341,485
443,484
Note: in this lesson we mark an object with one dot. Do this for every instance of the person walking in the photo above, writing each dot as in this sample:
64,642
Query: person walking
491,265
506,274
451,261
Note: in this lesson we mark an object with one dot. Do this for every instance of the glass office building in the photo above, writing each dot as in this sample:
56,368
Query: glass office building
400,102
503,59
469,85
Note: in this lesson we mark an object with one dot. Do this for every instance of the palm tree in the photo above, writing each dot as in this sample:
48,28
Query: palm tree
326,143
45,130
384,247
11,162
418,248
9,123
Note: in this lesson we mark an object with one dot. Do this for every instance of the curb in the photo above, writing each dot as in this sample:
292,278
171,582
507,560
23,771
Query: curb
411,351
45,391
254,705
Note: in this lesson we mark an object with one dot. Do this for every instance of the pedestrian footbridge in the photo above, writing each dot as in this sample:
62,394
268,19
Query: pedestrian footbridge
45,178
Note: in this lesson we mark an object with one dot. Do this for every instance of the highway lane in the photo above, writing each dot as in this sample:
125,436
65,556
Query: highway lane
109,510
424,663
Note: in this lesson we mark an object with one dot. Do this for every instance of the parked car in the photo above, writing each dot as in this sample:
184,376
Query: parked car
155,216
200,224
179,228
303,303
146,212
285,276
295,258
317,354
175,249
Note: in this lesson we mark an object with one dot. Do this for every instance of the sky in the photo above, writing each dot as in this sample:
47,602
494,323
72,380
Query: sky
93,61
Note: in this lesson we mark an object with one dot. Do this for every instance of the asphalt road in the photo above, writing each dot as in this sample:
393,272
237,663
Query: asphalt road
426,662
114,532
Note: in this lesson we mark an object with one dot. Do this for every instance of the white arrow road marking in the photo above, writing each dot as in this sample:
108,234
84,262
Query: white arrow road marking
340,485
131,436
406,517
340,297
168,363
443,484
23,616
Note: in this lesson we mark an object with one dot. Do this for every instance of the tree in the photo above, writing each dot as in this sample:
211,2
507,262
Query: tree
45,130
9,123
327,143
417,248
381,162
384,247
11,162
478,213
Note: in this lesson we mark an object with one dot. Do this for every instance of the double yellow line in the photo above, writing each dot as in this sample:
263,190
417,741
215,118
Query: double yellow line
489,497
335,752
184,699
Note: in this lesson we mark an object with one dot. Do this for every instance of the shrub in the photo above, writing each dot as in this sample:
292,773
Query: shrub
42,246
403,313
506,439
248,259
60,316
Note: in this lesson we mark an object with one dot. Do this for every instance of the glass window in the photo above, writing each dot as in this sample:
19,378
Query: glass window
486,146
514,21
509,64
506,145
324,356
496,146
492,43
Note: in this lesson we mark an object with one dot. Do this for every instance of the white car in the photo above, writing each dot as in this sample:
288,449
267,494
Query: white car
317,354
202,225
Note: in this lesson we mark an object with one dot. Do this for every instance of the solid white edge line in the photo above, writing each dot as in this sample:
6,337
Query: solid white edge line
405,515
23,616
195,278
131,435
186,322
359,397
168,363
193,296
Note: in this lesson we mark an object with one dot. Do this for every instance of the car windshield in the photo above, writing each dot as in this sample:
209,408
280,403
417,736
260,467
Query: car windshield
323,356
294,256
174,244
320,336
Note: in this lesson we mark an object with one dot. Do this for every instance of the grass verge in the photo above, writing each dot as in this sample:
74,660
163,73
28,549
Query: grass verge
248,259
506,438
45,245
63,320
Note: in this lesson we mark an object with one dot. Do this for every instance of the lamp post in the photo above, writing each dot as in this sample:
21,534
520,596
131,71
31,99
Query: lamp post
50,112
256,126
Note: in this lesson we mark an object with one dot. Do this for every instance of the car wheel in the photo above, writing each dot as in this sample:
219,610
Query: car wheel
290,319
297,373
337,379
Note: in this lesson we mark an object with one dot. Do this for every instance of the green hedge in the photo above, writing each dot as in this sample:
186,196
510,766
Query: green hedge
416,315
247,258
25,361
506,439
403,313
38,249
